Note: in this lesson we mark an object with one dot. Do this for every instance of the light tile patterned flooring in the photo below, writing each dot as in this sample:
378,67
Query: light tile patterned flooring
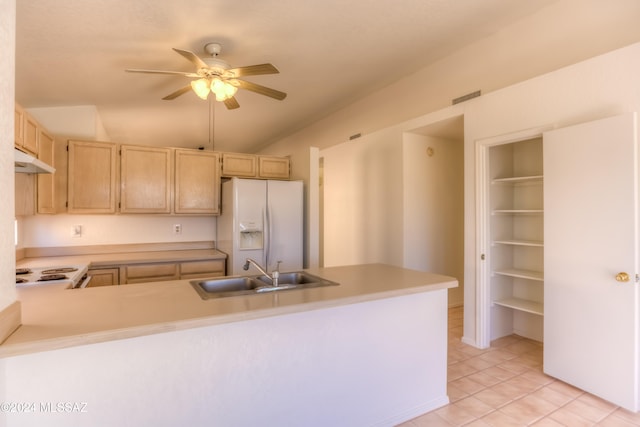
504,386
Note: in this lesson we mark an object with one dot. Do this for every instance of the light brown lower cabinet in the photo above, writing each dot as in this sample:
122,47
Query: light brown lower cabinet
141,273
158,272
201,269
104,277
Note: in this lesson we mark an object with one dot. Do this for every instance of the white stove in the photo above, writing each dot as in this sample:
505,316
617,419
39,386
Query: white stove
73,275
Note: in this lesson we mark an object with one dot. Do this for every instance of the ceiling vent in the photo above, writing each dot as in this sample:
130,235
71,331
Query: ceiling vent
465,97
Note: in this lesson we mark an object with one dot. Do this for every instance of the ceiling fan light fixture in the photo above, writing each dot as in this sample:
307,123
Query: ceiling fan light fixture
222,89
201,88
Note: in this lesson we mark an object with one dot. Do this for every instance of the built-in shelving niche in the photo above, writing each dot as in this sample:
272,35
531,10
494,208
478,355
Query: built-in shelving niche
516,246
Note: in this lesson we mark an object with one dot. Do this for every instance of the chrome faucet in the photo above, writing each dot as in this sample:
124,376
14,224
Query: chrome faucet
273,276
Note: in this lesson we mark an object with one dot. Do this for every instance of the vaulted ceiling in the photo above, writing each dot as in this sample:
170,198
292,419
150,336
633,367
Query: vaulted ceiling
329,54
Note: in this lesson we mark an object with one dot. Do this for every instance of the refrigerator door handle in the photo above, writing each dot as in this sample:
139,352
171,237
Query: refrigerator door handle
267,237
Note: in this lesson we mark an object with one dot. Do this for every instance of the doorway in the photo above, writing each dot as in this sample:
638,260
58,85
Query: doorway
433,169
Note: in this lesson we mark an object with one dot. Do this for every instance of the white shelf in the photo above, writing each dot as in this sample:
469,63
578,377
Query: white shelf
522,274
522,305
516,242
517,179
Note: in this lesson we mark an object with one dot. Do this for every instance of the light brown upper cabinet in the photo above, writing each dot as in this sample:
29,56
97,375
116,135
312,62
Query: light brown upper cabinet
254,166
46,182
145,179
19,126
151,180
31,131
92,177
26,131
197,182
240,165
273,167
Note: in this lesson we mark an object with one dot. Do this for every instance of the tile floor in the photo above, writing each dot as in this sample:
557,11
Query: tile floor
504,386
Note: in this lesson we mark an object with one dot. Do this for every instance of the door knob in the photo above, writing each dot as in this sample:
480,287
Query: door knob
622,277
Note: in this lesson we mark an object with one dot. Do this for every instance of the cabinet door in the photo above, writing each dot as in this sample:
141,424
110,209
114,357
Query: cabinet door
145,179
46,182
92,177
104,277
590,202
240,165
31,130
197,182
24,194
19,126
273,167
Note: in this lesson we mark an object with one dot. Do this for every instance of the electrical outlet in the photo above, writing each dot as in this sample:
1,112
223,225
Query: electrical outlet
76,231
177,228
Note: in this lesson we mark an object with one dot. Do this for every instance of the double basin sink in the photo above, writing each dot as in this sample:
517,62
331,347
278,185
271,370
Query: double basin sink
235,286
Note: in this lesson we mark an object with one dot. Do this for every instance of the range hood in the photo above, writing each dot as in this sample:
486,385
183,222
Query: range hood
26,163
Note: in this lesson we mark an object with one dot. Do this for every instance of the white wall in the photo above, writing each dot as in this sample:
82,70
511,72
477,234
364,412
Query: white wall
55,230
7,210
330,367
433,207
7,90
80,121
596,88
385,200
362,200
600,87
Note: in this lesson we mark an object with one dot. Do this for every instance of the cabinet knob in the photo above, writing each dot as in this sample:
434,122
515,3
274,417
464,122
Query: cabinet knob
622,277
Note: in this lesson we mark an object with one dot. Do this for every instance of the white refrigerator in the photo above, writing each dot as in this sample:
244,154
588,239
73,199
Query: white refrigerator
262,220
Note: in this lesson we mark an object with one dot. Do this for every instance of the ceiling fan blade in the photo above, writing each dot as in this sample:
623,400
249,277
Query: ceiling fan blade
231,103
253,70
262,90
177,93
181,73
195,59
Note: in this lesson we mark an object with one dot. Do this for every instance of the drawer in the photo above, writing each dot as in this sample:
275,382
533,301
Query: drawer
207,268
150,273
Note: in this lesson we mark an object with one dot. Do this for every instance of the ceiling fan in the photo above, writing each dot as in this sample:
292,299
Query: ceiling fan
216,76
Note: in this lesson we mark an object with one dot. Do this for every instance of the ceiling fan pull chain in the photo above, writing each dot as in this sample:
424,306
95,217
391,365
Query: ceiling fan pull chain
211,119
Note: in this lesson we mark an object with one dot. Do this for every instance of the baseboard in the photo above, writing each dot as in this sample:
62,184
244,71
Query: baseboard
10,320
415,412
469,341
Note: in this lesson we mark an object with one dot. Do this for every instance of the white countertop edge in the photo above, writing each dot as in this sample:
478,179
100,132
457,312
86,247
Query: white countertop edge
10,350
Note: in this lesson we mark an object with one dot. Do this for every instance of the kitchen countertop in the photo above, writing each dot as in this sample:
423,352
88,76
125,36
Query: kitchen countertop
121,258
54,317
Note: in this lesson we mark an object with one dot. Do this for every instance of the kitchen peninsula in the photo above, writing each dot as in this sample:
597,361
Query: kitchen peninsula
371,351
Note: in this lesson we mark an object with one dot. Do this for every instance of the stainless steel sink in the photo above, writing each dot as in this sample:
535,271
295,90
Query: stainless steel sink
226,286
297,278
235,286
